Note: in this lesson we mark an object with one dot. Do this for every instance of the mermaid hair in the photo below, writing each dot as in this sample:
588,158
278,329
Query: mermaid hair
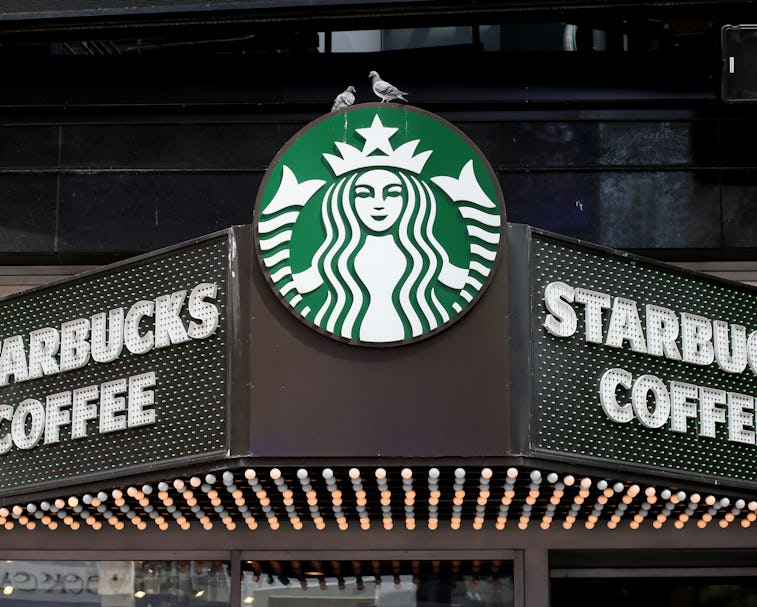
414,297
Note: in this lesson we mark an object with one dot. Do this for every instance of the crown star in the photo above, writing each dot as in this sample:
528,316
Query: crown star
377,138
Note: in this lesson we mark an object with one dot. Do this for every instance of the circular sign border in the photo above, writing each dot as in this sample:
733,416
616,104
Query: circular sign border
501,245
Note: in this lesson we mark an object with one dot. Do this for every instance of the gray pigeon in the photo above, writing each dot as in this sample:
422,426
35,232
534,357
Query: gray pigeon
384,90
344,99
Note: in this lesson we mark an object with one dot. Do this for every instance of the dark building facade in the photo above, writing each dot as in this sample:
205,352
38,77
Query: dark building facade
287,467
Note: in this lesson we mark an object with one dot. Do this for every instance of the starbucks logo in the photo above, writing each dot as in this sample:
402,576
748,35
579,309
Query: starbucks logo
379,225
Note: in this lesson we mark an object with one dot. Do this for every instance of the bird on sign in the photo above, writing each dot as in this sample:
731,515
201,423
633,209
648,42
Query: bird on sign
344,99
385,91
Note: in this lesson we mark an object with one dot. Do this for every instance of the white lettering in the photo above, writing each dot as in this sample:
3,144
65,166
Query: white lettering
733,358
83,409
561,320
656,415
662,332
696,339
32,409
74,344
56,415
681,406
120,404
140,399
169,328
102,337
136,343
6,442
204,311
108,341
608,386
709,411
653,403
741,418
594,303
43,346
625,324
13,360
112,405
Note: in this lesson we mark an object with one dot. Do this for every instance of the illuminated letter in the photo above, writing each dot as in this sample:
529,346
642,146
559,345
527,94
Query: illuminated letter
83,410
741,418
696,339
204,311
607,395
752,351
731,359
662,332
660,411
43,346
139,398
74,347
6,413
709,412
28,408
625,324
13,360
108,341
681,395
110,405
561,321
594,303
136,343
169,328
56,416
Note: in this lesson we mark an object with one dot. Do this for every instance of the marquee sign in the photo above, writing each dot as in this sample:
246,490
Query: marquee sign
379,225
642,363
115,369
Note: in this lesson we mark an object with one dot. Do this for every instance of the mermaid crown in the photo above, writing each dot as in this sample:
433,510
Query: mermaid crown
377,139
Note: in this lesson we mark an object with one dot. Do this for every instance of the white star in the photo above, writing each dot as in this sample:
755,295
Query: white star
377,137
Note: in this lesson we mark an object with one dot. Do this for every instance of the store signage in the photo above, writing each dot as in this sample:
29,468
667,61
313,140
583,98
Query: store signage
115,369
379,225
643,363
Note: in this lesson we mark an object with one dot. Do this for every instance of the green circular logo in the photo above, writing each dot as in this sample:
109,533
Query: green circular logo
380,224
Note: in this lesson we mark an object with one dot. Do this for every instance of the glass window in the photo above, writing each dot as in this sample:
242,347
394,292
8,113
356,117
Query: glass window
377,584
114,583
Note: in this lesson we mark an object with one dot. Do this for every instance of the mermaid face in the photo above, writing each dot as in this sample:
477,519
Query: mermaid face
379,198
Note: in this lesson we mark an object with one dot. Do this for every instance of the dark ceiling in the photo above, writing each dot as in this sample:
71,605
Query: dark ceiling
85,20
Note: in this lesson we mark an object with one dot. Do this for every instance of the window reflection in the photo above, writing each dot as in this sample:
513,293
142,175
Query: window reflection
114,583
380,587
152,583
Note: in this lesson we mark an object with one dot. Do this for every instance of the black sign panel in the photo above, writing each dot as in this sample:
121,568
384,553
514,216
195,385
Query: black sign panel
116,369
642,364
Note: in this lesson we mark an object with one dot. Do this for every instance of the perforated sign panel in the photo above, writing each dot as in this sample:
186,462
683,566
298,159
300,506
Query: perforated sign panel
115,370
642,363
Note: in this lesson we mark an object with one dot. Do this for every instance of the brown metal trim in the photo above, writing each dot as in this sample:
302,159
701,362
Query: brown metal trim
239,330
288,544
519,577
536,577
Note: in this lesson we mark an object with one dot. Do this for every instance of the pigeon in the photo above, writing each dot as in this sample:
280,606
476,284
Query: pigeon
344,99
385,91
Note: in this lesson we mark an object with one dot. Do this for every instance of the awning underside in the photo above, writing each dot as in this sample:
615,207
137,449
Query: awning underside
343,498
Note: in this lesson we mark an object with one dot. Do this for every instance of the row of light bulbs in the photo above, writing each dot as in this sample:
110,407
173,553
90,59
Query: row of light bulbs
178,501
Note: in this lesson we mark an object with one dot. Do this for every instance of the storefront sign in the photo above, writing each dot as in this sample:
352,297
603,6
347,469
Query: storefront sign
379,225
115,369
642,363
